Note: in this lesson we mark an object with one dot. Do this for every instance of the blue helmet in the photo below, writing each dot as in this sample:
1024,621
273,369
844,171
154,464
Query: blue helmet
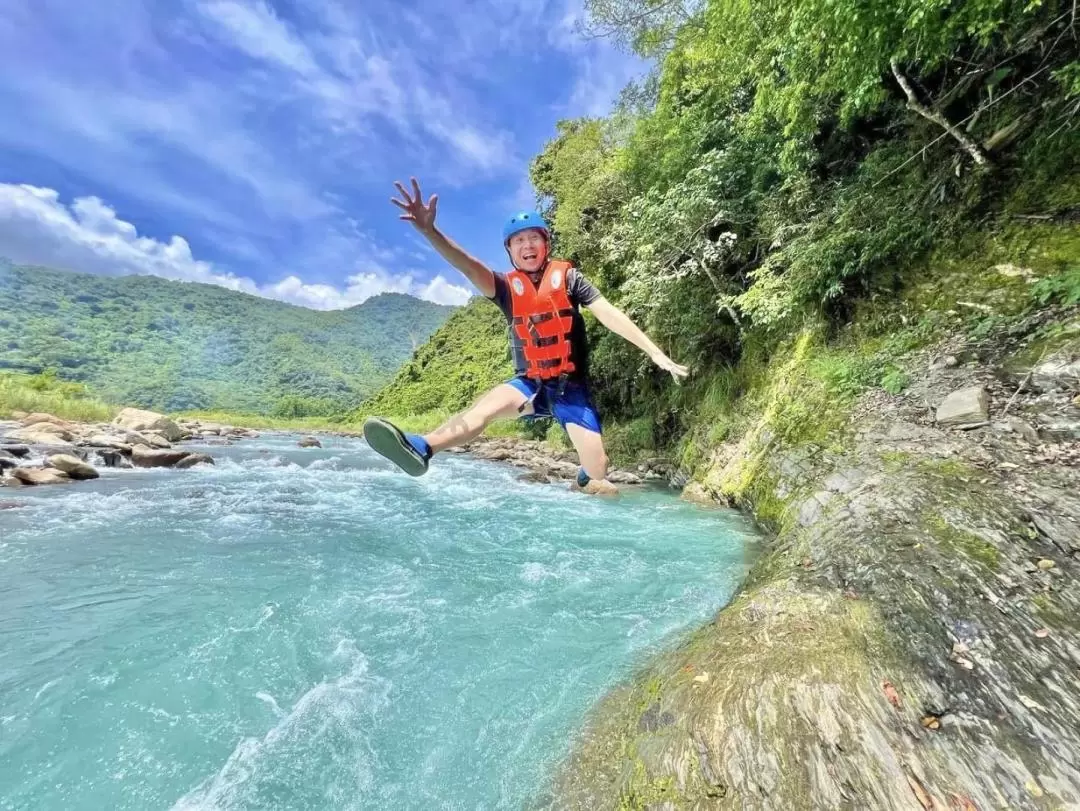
523,221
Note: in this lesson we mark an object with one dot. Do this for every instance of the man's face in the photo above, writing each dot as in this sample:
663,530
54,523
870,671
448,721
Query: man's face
528,249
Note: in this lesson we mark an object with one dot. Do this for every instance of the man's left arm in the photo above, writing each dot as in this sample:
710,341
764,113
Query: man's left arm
619,322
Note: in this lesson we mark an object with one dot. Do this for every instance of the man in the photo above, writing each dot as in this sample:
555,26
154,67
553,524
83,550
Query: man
540,298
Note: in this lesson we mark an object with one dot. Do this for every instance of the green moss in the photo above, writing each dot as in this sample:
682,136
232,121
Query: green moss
895,461
973,546
948,468
1045,608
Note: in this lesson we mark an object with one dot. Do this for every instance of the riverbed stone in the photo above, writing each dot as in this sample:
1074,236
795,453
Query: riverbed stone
143,456
38,475
16,450
136,419
309,442
193,459
114,458
107,441
966,406
75,467
35,436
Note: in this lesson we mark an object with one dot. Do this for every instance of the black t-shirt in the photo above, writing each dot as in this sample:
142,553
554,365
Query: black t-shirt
580,292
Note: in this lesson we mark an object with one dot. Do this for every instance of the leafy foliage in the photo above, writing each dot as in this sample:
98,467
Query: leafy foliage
783,174
177,346
49,394
466,356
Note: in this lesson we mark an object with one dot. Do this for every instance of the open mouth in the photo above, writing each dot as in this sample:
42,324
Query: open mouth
529,256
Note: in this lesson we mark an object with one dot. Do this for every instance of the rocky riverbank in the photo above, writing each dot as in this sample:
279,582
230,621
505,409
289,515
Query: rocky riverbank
38,449
910,639
545,464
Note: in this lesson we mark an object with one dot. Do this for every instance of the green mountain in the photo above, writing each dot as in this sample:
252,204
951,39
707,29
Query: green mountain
181,345
463,358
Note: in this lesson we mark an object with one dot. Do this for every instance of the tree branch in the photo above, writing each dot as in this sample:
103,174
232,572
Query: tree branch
913,103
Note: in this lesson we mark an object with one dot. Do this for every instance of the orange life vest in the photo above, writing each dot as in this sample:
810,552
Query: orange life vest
541,318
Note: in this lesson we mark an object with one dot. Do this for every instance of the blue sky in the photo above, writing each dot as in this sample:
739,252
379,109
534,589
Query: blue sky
254,143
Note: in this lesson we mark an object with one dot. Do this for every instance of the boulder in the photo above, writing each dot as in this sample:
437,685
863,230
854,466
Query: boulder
38,418
113,458
193,459
135,419
37,475
1061,431
155,440
7,463
964,407
142,456
34,436
107,441
73,466
16,450
309,442
1057,374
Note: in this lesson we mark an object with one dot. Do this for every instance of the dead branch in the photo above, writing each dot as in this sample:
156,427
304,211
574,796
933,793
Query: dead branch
913,103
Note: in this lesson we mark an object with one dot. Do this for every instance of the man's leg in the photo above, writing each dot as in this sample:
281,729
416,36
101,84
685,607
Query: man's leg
590,449
503,401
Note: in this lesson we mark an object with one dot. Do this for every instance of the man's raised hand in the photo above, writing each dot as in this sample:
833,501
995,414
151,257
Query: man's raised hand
421,216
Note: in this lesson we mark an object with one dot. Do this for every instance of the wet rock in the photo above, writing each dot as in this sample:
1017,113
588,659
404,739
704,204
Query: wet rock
155,440
193,459
142,456
1060,431
114,458
964,407
1057,374
16,450
38,475
7,462
107,441
136,419
309,442
73,466
38,436
12,505
621,477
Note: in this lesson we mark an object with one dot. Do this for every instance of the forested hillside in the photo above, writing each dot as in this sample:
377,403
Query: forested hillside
789,162
466,355
147,341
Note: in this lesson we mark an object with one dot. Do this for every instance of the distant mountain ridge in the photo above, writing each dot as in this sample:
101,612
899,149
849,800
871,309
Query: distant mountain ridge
171,345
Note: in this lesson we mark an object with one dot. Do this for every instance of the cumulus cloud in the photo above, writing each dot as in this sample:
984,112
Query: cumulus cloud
36,227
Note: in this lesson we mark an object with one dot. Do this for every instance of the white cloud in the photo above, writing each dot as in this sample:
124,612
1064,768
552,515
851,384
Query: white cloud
351,83
37,228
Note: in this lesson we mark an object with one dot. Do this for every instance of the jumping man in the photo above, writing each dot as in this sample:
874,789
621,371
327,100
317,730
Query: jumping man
540,299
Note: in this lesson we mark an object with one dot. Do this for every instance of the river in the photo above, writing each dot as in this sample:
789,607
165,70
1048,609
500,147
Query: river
314,629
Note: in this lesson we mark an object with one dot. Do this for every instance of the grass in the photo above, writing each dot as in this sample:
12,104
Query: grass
44,393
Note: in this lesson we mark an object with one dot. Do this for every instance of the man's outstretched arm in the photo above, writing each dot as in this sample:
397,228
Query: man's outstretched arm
619,322
423,219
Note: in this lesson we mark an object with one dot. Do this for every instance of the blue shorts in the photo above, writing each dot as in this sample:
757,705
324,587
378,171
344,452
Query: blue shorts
573,406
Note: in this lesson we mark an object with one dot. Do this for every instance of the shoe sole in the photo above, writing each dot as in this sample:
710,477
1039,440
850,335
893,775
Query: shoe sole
388,441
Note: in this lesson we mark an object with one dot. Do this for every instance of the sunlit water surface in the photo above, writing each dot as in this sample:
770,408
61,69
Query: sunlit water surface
314,629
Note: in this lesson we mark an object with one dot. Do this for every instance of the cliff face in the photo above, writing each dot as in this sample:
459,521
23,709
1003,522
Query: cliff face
911,638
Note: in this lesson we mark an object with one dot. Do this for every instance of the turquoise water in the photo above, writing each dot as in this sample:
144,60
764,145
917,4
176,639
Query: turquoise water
313,629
